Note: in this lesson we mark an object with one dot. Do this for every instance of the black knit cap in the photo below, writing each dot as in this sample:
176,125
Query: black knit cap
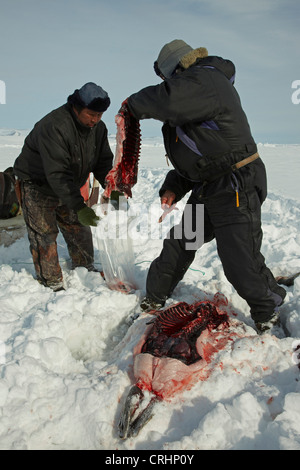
90,96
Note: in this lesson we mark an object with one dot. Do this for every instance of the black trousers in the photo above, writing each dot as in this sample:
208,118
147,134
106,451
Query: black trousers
44,216
238,235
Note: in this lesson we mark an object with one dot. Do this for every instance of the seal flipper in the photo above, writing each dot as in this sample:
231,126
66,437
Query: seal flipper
131,405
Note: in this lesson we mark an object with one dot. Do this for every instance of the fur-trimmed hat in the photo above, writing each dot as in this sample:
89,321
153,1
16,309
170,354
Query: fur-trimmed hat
90,96
177,53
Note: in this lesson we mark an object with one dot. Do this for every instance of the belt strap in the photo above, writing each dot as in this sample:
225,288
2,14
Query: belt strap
244,162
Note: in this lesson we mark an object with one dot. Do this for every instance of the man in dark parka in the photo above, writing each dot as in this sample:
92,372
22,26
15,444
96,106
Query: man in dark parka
58,155
208,140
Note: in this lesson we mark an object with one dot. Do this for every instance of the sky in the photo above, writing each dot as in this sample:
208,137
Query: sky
49,48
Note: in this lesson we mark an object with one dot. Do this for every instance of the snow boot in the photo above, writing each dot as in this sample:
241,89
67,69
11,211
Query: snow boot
272,326
56,287
149,305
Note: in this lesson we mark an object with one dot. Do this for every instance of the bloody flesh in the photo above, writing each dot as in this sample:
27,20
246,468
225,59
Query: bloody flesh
175,331
123,175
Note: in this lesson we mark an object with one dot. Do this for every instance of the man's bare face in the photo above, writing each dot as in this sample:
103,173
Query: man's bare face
87,117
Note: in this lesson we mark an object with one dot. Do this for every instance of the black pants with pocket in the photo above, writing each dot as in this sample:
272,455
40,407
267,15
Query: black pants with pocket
238,233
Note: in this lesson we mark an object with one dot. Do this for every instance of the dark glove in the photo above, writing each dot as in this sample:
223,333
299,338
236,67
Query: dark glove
115,195
87,216
115,198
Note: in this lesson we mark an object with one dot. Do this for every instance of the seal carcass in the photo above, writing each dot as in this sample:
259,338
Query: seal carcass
176,351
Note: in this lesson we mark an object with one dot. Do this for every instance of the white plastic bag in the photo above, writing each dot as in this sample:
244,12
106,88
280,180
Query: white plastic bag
115,248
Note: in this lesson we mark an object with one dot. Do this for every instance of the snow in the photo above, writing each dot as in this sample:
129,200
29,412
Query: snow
66,358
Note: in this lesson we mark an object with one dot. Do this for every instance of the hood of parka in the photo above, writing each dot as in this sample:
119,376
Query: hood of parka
197,57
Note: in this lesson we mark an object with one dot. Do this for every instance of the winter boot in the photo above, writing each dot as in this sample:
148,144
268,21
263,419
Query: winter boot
272,326
150,305
58,288
55,286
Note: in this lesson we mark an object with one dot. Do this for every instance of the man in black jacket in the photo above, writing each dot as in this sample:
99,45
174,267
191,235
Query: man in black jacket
209,142
57,157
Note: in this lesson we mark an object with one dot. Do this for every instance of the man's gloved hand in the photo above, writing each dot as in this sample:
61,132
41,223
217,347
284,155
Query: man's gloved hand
87,216
115,198
115,195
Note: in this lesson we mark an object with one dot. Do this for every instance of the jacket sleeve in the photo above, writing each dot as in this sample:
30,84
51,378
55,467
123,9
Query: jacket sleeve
105,156
176,183
56,160
177,101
